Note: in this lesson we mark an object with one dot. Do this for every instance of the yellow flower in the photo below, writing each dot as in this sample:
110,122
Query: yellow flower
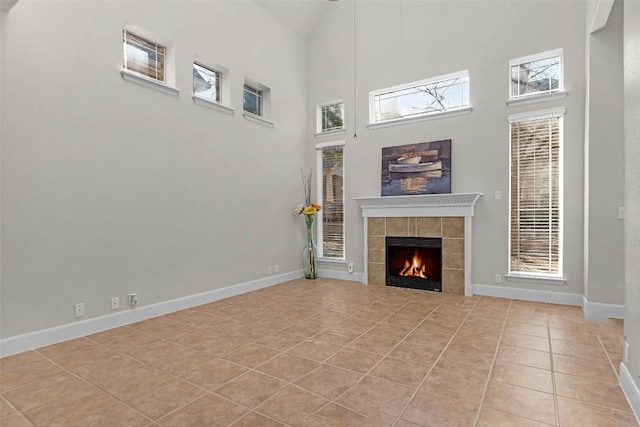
309,210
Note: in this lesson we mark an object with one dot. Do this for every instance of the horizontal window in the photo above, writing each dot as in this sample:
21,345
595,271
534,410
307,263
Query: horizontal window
436,95
536,74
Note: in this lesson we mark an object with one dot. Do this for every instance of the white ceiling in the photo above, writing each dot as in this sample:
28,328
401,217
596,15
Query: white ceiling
301,16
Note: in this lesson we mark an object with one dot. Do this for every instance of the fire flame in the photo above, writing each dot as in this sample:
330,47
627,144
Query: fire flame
414,268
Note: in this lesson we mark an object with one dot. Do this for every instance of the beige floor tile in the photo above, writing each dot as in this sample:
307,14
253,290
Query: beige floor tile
329,381
291,405
391,330
579,414
65,347
315,349
411,352
256,420
338,336
409,374
20,360
522,402
182,362
336,415
210,411
433,410
523,376
28,373
596,392
16,421
429,338
525,341
576,333
374,394
58,386
524,356
6,410
466,363
251,388
354,360
475,346
288,366
251,355
164,398
84,356
355,324
375,343
305,328
280,340
457,385
491,418
578,349
593,369
213,374
95,409
527,329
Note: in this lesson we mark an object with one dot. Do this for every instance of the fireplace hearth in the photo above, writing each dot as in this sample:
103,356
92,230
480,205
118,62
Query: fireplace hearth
414,262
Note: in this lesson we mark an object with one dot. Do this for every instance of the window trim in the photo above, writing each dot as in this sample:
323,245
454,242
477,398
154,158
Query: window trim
373,124
319,190
537,97
225,90
518,276
264,118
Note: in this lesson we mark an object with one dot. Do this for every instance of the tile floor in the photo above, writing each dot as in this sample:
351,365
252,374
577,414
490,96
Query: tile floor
329,353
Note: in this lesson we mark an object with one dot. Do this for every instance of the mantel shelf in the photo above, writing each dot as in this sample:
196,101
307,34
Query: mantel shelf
454,204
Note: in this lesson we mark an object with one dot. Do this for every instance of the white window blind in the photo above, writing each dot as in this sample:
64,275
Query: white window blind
331,183
535,201
143,56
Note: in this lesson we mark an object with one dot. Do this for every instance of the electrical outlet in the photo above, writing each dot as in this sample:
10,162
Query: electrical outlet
132,299
277,268
269,270
498,278
498,195
79,309
115,303
350,267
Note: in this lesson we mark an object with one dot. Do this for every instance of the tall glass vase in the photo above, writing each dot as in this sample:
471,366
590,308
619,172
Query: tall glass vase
310,254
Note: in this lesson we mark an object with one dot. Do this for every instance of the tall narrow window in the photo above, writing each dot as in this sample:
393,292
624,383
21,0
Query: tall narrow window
143,56
536,196
330,161
252,100
206,83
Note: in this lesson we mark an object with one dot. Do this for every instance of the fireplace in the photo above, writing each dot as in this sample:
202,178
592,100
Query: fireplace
414,262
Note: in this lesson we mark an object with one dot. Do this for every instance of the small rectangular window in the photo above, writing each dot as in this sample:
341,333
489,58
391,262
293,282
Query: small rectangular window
536,74
436,95
332,117
143,56
535,233
330,161
252,100
206,83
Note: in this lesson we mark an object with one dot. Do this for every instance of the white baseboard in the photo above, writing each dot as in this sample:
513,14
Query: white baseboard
601,311
630,389
342,275
37,339
528,294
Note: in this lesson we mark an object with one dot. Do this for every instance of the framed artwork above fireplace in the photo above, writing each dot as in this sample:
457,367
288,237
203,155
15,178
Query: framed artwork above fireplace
423,168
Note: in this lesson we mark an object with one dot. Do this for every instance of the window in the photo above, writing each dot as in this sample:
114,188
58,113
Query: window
536,74
252,100
143,56
331,117
206,83
330,160
535,237
418,99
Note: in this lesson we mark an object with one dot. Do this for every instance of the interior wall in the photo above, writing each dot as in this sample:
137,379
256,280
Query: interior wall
404,41
632,184
605,139
109,187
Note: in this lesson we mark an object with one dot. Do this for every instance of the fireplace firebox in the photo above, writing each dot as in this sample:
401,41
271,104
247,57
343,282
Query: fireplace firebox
414,262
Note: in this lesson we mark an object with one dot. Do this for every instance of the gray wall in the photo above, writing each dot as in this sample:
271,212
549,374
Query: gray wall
109,187
404,41
604,241
632,183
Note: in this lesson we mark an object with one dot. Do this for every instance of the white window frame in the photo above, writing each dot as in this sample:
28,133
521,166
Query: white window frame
225,87
168,85
265,104
536,276
319,112
374,124
537,97
319,191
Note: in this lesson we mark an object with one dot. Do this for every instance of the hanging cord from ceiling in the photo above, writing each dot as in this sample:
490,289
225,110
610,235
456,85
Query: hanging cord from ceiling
355,122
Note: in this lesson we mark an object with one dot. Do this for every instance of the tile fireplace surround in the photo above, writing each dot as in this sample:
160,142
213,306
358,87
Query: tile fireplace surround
434,215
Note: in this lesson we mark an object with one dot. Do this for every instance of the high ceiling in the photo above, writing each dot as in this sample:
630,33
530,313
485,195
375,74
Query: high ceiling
301,16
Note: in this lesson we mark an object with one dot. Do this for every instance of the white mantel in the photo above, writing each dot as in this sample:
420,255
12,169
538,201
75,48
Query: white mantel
454,204
427,205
